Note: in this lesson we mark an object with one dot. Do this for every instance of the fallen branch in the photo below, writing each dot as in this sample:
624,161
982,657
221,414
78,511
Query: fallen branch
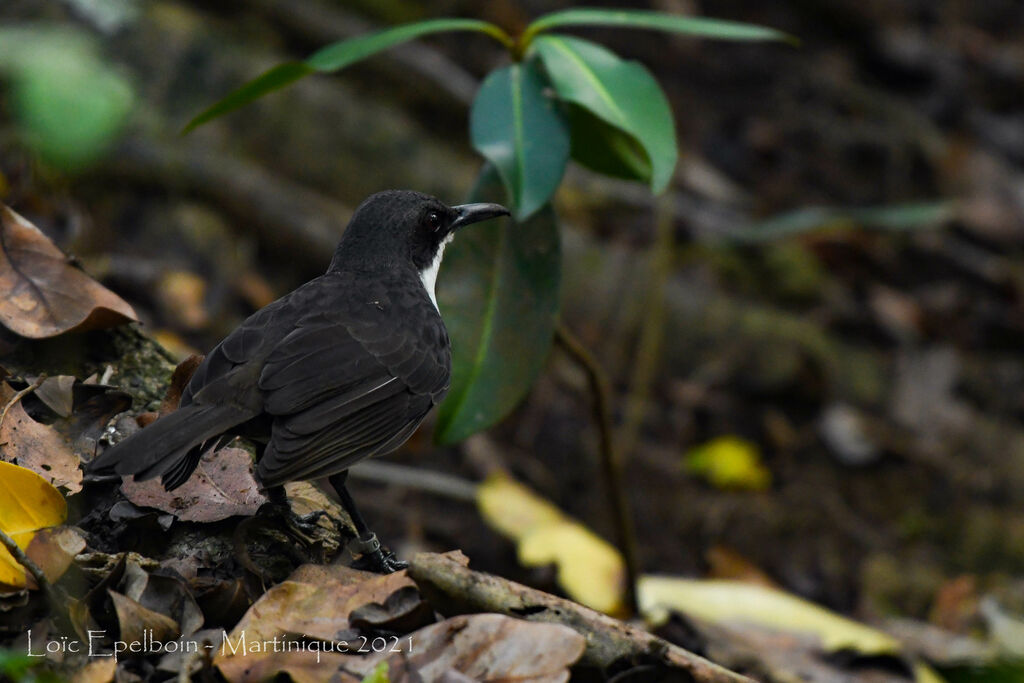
453,588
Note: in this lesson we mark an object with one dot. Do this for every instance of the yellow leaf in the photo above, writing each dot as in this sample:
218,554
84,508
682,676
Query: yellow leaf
734,602
589,569
28,503
729,462
512,509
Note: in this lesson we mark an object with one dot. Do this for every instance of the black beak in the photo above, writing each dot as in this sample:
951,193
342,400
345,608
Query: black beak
474,213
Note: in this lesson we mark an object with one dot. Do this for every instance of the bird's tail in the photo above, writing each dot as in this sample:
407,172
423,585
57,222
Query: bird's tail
169,448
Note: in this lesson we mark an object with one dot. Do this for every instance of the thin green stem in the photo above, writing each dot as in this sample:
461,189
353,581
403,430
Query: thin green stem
498,34
612,465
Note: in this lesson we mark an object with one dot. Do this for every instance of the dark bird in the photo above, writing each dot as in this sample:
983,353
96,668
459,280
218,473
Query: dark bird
343,368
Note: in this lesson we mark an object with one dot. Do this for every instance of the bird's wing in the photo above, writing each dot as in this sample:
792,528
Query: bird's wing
344,385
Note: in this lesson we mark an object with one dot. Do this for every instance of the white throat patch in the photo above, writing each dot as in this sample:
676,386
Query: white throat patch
428,276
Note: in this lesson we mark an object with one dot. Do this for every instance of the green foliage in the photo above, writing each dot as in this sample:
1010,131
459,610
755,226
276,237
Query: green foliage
501,278
622,94
69,104
500,297
380,674
516,127
701,27
20,668
910,216
335,57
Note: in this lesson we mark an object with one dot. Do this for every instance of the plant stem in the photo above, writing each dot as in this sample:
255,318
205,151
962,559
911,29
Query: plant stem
611,461
56,598
652,327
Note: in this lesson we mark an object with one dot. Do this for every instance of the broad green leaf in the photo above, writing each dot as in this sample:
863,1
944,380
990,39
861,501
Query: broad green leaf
516,127
658,21
604,148
622,93
337,56
498,295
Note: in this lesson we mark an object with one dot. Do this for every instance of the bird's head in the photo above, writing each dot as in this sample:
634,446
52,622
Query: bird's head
400,226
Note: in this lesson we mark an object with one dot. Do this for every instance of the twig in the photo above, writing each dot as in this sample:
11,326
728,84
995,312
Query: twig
21,394
454,588
611,461
57,601
444,485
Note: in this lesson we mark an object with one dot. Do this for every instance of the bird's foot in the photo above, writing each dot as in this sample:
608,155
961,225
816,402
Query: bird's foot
374,557
304,524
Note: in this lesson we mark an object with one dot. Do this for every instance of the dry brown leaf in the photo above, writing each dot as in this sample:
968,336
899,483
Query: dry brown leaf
44,295
56,393
222,486
164,594
37,447
139,624
54,550
315,602
179,380
98,670
483,647
182,296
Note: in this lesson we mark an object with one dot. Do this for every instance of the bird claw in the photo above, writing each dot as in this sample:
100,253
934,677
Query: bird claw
305,525
373,556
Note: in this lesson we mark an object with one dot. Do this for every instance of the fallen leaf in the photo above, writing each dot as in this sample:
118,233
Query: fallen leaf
734,602
179,380
138,624
94,406
182,296
28,503
44,294
726,563
56,393
163,594
222,486
54,550
315,602
729,462
98,670
483,647
403,611
36,446
590,569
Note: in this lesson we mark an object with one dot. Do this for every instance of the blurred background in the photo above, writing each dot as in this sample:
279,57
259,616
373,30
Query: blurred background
813,338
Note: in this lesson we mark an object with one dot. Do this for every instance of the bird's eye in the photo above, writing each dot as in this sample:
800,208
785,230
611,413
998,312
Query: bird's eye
434,221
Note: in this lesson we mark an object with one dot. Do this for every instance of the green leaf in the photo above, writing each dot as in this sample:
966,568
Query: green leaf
337,56
380,674
275,79
622,93
516,127
604,148
69,104
911,216
658,21
499,294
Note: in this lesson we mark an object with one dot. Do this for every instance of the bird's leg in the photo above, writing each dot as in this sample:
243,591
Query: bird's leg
366,543
277,502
